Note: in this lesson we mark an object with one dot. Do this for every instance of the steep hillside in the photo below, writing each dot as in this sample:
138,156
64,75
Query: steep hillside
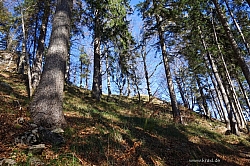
118,132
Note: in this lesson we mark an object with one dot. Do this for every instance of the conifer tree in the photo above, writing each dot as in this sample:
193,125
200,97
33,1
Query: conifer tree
46,107
155,16
108,22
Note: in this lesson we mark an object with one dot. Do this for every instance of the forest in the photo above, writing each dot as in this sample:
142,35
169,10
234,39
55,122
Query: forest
119,82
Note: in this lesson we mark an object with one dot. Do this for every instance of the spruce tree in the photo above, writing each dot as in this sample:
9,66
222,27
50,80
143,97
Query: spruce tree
46,107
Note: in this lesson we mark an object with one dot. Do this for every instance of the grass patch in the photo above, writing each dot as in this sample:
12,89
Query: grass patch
119,131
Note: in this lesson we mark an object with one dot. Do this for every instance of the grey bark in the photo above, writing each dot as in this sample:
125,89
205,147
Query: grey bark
203,97
237,110
26,56
37,67
185,101
96,86
238,28
175,110
237,55
46,108
244,93
108,75
144,54
219,82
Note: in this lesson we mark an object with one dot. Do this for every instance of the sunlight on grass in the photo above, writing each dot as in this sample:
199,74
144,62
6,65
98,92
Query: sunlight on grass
124,132
196,130
111,117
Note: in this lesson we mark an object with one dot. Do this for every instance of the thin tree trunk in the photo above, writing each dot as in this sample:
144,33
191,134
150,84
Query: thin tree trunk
96,89
37,67
238,111
144,54
81,75
236,50
185,102
176,111
204,102
35,39
87,77
108,75
128,85
46,108
219,82
244,93
25,53
221,103
10,38
67,73
238,28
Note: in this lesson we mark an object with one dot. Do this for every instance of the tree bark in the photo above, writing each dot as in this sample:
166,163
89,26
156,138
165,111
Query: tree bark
237,55
176,111
96,86
243,91
37,67
181,90
108,75
219,82
144,54
237,110
46,108
203,97
238,28
26,55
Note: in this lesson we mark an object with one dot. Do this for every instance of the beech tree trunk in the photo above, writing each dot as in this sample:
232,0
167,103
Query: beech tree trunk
46,108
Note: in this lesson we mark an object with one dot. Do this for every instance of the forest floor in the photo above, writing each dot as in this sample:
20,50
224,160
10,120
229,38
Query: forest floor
120,131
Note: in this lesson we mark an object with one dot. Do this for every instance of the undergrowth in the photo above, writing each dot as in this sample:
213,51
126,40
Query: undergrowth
119,131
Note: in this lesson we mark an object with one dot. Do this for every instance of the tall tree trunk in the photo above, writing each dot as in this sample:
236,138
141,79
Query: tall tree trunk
185,102
238,111
46,108
219,82
244,93
176,111
26,55
237,55
144,54
128,85
238,28
96,89
37,67
87,77
67,73
203,97
221,102
108,75
81,75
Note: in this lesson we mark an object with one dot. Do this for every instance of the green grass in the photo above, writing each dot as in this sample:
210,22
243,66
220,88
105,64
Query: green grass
122,131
